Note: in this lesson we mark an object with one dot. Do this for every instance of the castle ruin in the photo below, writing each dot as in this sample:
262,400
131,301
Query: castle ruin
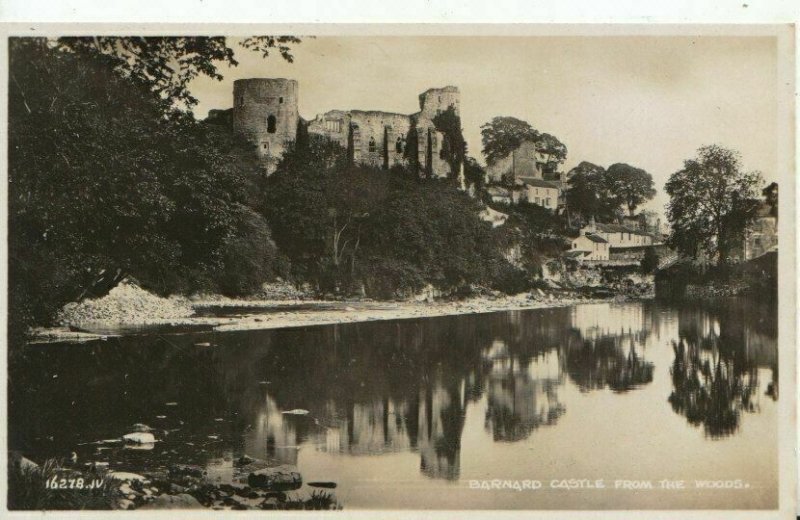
265,112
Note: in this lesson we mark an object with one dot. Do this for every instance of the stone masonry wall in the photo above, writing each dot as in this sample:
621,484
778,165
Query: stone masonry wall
265,112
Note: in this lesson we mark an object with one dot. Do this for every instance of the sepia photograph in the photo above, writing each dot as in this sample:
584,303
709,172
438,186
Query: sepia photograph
381,269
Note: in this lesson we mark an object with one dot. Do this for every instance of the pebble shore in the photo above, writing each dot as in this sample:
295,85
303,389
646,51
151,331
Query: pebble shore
129,306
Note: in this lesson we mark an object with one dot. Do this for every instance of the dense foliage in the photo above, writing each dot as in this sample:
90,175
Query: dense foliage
105,181
454,147
711,202
593,191
631,186
165,65
350,228
502,135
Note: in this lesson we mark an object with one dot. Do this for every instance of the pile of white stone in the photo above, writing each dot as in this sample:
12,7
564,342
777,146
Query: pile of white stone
283,290
126,303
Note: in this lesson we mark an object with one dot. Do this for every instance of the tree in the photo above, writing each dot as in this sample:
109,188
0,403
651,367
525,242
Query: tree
166,65
770,194
503,135
711,203
588,193
454,147
474,174
650,261
103,185
552,151
648,221
632,186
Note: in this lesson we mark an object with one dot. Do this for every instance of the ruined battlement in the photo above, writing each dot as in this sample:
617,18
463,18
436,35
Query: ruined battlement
266,113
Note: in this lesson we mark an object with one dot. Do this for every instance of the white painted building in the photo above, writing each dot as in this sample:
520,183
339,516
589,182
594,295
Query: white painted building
542,193
590,247
620,236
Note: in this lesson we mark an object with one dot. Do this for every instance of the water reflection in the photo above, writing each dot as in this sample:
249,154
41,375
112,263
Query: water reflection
715,371
522,395
382,388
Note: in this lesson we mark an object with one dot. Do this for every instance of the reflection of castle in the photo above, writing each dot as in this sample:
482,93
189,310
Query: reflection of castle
275,437
605,319
521,396
608,349
430,422
265,112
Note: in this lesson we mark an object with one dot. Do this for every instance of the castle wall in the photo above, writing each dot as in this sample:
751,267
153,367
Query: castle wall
435,100
333,125
520,163
265,112
372,129
432,102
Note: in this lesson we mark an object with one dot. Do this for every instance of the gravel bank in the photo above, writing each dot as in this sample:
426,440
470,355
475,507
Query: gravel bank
126,303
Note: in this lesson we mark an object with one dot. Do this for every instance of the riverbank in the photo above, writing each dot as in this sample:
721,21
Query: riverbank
272,314
254,485
129,309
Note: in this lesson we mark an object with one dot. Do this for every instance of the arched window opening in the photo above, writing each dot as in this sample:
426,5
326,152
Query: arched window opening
398,147
371,144
271,124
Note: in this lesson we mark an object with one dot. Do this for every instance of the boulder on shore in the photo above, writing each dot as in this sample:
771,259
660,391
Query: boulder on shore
139,438
182,501
279,478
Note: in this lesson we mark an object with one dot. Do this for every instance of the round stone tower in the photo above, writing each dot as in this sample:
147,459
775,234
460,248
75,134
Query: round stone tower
265,113
436,100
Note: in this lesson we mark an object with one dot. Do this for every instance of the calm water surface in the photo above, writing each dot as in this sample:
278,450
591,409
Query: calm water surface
404,414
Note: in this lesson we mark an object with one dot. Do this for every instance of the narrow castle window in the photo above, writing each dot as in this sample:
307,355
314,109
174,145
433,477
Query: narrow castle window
271,123
398,147
280,100
371,144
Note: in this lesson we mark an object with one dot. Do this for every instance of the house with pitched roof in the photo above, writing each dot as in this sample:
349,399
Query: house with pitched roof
589,247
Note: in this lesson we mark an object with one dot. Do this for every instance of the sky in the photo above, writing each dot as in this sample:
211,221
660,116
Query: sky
649,101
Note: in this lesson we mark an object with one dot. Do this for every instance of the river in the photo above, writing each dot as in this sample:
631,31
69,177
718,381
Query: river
424,413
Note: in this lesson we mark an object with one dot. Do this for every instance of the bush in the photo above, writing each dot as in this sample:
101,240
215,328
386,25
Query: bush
387,278
650,261
506,278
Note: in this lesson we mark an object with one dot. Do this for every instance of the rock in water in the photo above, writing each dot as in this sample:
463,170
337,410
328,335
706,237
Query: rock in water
182,501
124,476
124,503
139,438
143,428
296,411
190,470
279,478
21,463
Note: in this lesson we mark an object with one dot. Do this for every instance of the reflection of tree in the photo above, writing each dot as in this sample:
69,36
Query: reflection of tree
711,388
596,364
440,433
517,405
522,396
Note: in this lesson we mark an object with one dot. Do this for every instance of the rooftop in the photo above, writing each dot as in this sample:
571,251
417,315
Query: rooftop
594,238
539,183
616,228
